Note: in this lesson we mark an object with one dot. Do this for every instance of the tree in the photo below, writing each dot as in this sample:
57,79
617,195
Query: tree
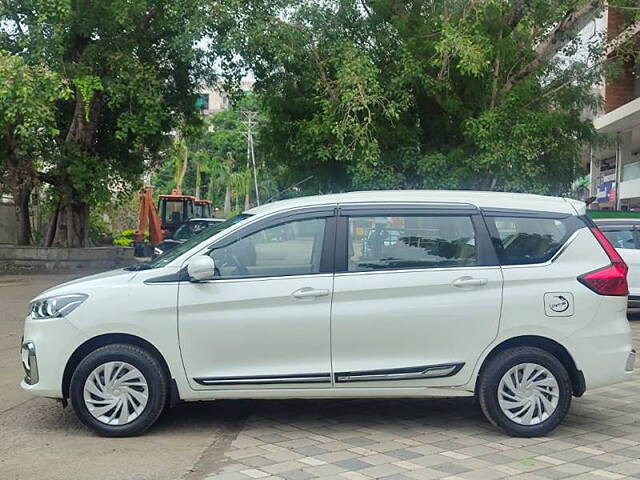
180,158
132,69
27,121
458,94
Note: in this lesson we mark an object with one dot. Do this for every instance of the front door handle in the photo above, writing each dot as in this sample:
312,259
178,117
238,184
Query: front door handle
308,292
465,282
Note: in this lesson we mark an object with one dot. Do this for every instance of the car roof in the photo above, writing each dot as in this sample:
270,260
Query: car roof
212,220
480,199
617,221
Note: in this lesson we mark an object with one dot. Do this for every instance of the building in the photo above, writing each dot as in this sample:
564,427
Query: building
214,99
615,170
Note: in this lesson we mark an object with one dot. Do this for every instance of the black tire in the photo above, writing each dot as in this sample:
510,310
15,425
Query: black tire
139,358
496,368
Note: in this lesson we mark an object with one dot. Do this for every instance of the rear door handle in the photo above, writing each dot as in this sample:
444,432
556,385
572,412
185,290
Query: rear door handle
308,292
464,282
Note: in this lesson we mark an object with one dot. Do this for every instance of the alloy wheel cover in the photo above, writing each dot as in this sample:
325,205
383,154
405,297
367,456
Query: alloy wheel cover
528,394
116,393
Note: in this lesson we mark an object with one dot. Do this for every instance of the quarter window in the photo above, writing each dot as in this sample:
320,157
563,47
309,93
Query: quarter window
379,243
525,240
292,248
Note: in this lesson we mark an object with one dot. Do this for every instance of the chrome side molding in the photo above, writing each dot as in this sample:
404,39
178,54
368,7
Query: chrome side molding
266,379
408,373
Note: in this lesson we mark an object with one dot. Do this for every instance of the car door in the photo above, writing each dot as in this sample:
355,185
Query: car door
417,296
263,320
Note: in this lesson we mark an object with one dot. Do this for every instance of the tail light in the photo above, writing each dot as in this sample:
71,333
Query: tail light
609,280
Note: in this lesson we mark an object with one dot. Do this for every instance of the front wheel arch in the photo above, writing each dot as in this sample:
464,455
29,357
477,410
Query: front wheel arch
551,346
106,339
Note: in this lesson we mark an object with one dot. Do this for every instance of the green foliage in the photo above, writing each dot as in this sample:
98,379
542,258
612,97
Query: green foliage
88,85
126,237
125,75
382,94
27,102
98,229
220,149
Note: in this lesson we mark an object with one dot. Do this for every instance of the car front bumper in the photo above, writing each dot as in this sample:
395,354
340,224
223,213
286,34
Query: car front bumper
46,348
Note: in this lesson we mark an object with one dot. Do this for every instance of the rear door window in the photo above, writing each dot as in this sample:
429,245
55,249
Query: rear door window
528,240
416,241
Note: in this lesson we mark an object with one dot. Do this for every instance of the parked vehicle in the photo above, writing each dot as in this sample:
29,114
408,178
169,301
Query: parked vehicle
517,299
203,208
624,235
184,232
162,222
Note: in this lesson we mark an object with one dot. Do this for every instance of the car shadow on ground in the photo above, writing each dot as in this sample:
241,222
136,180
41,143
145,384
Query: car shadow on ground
326,413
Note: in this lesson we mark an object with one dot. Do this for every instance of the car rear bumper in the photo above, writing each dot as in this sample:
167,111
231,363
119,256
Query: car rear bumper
603,351
634,301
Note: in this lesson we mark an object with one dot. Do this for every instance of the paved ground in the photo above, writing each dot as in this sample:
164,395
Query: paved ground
297,440
40,440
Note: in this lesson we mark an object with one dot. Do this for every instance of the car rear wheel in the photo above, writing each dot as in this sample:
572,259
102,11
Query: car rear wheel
525,391
118,390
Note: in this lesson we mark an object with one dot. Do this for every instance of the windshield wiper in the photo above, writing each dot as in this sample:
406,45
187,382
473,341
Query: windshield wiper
138,267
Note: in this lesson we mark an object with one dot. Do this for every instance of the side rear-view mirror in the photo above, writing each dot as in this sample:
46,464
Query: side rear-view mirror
201,268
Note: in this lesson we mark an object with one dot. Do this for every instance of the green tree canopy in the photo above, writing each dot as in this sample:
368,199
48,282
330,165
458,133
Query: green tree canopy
28,122
133,70
426,93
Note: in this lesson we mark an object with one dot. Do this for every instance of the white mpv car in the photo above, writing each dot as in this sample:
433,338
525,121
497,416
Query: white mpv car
516,299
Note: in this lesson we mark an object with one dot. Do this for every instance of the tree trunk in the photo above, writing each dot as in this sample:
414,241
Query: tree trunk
69,225
198,181
227,202
23,224
21,177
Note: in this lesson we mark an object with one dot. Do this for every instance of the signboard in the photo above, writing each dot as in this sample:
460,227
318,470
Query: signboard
606,192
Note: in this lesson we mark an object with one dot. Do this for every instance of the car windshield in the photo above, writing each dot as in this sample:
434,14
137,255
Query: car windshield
188,229
198,238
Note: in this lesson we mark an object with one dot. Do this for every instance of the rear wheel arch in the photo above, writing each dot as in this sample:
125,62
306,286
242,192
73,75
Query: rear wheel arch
107,339
546,344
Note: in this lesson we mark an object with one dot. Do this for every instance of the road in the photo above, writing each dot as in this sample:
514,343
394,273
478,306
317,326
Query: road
397,439
41,440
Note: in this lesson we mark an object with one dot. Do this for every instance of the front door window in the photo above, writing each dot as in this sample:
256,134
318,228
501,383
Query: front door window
292,248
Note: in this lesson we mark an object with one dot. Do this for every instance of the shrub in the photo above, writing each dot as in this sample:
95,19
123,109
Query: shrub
125,239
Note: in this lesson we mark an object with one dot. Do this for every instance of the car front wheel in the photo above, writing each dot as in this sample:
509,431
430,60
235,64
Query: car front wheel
118,390
525,391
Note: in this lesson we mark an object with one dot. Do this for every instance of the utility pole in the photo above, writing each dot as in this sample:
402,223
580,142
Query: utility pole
250,122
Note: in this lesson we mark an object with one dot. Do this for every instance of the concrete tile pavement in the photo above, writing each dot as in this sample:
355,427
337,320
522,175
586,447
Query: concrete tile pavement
433,439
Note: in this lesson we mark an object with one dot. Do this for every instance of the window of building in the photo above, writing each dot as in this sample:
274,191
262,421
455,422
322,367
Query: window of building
202,101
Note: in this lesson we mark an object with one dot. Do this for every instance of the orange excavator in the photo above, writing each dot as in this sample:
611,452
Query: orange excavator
203,208
173,210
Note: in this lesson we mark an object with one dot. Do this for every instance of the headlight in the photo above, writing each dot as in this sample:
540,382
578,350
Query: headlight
53,307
